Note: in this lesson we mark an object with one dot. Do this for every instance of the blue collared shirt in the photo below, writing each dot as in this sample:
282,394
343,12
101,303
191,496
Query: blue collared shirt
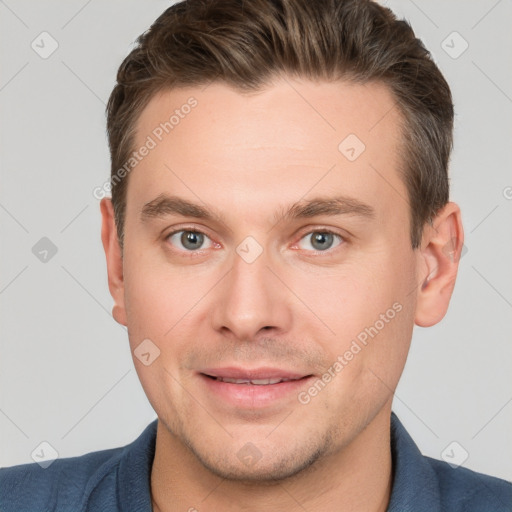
119,480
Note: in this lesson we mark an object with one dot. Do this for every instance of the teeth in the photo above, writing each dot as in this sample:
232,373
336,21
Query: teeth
266,381
234,381
257,382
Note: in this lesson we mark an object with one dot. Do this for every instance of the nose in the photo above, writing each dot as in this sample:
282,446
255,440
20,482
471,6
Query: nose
251,301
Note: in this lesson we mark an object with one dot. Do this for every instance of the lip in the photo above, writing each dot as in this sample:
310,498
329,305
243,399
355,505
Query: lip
233,372
250,396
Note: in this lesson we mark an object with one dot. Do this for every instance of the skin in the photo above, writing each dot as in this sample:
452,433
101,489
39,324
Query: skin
249,158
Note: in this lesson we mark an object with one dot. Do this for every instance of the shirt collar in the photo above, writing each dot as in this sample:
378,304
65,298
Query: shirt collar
415,484
135,472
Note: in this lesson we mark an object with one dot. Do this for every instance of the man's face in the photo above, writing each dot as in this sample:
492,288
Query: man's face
253,293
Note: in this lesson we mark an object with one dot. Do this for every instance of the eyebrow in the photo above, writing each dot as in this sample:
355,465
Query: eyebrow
165,205
332,206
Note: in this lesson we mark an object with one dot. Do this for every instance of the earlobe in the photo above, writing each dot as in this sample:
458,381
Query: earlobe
438,262
114,260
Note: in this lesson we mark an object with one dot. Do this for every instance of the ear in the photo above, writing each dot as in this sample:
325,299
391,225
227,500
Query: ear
114,260
439,255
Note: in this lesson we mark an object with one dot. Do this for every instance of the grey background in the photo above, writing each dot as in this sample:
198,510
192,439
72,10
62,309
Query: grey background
66,374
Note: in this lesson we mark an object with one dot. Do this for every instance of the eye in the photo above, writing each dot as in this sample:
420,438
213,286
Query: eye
189,240
320,241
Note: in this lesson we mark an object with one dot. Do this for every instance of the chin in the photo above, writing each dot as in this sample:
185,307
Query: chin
270,466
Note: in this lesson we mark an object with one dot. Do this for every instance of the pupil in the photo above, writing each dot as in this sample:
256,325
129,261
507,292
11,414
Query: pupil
191,240
324,240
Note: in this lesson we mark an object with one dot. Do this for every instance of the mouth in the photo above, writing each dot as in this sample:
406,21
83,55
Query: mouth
258,376
255,382
252,388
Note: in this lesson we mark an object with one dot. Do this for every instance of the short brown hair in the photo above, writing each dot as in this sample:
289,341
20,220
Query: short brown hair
246,44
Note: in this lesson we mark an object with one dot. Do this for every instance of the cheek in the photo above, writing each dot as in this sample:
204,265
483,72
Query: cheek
148,302
159,308
368,307
158,296
353,297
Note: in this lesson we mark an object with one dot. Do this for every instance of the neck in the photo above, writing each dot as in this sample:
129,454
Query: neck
356,478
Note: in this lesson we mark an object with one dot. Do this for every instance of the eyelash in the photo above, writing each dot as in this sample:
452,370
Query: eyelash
329,251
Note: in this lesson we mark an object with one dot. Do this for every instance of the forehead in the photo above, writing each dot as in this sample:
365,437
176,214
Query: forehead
250,151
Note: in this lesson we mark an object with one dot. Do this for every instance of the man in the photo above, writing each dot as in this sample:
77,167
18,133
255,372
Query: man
279,222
